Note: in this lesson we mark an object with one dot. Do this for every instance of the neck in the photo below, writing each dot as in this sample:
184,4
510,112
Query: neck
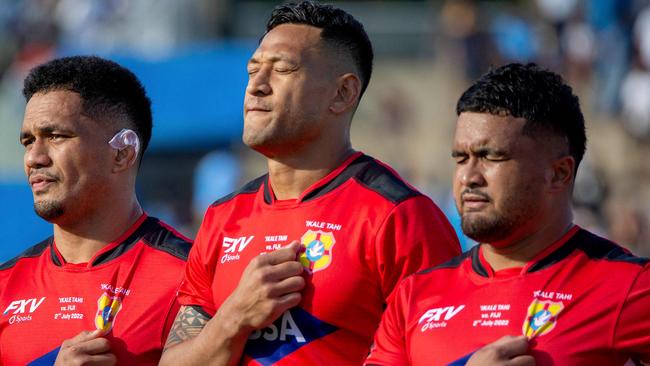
291,175
521,249
80,241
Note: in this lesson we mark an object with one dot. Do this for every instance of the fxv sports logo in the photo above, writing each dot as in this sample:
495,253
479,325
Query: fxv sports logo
294,329
234,246
21,310
438,317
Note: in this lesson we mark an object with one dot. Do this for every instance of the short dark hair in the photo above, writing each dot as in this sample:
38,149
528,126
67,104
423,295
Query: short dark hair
339,29
539,96
106,88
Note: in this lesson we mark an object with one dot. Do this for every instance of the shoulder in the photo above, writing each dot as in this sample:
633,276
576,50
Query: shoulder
596,247
451,265
163,238
251,187
32,252
597,253
381,179
435,278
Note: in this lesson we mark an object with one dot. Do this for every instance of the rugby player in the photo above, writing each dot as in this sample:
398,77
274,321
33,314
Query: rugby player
102,289
561,295
359,227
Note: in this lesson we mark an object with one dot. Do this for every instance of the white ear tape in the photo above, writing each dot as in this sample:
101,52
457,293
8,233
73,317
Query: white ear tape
124,138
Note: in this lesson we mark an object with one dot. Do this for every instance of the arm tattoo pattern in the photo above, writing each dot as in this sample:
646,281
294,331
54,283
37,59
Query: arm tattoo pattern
187,325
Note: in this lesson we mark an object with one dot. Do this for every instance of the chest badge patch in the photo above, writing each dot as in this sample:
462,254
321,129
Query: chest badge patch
541,317
316,254
107,309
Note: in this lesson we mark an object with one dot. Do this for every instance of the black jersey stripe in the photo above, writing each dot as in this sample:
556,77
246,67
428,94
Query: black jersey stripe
455,262
153,234
371,174
477,266
169,242
31,252
364,169
150,231
250,187
594,247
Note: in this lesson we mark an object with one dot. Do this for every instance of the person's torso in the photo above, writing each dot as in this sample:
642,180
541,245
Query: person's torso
129,293
343,301
568,309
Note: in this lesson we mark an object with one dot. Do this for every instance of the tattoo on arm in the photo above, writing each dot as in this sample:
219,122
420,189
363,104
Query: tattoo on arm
187,325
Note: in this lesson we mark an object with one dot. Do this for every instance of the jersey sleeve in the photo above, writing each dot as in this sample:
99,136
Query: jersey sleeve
389,348
632,331
415,235
195,289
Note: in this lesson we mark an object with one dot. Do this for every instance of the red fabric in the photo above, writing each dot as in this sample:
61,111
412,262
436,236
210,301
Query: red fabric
442,315
376,244
61,301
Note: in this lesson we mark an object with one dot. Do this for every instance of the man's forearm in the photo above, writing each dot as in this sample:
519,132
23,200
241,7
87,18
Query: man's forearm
220,343
270,285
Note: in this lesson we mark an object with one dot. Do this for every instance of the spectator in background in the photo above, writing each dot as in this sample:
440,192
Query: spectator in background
635,91
610,21
558,13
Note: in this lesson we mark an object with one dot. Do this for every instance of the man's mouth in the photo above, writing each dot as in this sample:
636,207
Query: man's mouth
40,182
474,201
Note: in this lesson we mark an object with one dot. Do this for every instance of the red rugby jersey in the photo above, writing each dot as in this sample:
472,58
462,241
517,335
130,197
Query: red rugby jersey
583,301
363,229
128,289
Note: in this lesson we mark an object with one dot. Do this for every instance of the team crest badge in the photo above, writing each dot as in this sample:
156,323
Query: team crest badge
541,317
317,252
107,309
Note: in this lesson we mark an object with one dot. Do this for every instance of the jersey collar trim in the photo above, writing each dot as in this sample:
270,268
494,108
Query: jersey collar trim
326,184
554,253
57,259
124,241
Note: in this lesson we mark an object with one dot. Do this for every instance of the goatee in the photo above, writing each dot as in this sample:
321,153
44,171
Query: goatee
48,210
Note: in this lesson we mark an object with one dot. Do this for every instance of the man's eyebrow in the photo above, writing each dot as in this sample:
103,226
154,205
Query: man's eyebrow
272,58
24,135
480,151
46,129
485,150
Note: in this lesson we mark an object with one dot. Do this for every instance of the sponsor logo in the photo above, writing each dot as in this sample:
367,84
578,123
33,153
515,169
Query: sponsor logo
317,252
438,317
234,246
21,310
287,327
107,309
294,329
541,317
23,306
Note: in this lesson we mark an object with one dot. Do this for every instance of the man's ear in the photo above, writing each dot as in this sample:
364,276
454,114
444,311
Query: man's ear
347,93
124,159
562,173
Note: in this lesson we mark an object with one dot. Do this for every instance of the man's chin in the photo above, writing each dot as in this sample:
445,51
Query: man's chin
48,210
485,231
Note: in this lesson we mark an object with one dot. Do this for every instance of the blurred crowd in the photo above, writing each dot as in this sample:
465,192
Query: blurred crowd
602,47
603,42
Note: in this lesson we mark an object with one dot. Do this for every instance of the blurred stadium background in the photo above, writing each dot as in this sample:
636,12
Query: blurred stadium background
191,56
